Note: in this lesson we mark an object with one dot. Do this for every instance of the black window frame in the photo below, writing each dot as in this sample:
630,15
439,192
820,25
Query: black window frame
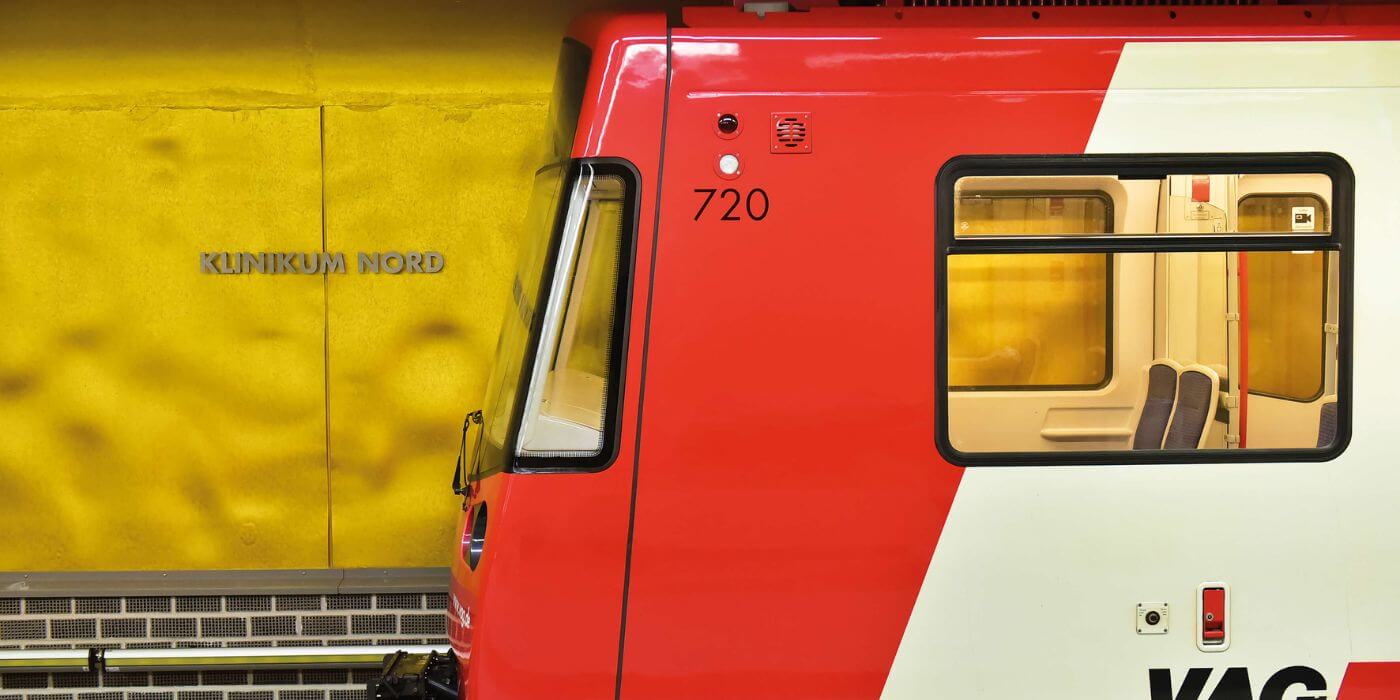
1109,278
1154,166
622,316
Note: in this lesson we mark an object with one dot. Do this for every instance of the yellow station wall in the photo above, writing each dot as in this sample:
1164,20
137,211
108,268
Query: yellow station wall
158,418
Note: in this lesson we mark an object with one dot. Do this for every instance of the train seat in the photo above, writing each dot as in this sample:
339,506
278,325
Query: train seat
1198,388
1327,422
1158,400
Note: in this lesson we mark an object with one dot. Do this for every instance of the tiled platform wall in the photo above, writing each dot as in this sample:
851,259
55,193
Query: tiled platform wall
193,621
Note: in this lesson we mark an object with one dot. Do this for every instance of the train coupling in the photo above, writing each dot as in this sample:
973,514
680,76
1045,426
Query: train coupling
405,676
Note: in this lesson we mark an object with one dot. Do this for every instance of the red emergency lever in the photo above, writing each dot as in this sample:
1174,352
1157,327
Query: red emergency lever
1200,188
1213,616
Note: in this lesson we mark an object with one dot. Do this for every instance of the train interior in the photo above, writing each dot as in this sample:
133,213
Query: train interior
1143,350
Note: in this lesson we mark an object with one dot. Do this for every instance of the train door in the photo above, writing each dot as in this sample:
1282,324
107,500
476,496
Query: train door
1291,312
789,495
787,489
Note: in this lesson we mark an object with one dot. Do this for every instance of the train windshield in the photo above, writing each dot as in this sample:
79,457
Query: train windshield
507,383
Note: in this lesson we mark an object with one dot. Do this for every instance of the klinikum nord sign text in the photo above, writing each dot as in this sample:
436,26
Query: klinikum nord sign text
320,263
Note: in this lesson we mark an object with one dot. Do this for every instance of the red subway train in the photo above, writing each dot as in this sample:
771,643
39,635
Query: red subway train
1020,350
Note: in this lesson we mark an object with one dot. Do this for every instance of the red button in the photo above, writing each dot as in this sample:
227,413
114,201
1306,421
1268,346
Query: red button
1200,188
1213,615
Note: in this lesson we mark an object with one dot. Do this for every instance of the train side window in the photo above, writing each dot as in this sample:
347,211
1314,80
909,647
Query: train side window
1287,304
1159,315
1014,347
1263,213
1287,317
569,415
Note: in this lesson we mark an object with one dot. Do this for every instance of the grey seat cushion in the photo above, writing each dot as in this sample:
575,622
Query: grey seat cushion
1195,393
1156,408
1327,425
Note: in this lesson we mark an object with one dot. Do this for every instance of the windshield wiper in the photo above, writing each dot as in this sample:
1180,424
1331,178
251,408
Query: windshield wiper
458,487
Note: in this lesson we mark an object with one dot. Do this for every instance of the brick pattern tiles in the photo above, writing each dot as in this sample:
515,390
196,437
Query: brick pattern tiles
319,684
391,619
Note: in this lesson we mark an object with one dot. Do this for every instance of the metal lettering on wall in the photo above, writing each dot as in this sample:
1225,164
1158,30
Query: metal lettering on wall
320,262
